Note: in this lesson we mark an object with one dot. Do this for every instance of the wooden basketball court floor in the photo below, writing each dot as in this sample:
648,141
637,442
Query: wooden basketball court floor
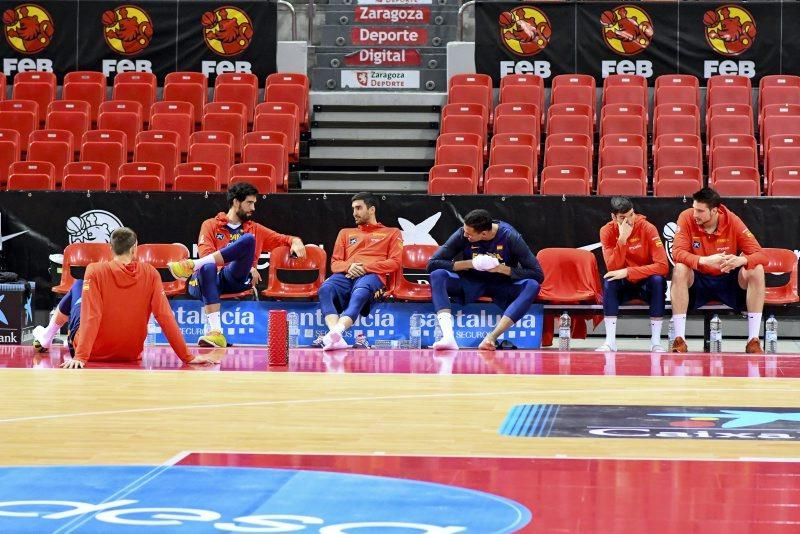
620,442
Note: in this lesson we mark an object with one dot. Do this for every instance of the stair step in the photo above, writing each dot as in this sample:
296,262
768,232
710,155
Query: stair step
361,152
377,182
383,98
398,116
379,142
370,135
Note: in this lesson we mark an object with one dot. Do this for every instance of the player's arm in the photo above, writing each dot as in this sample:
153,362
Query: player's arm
749,245
270,239
394,256
91,313
528,266
614,252
682,245
659,263
339,263
206,241
445,257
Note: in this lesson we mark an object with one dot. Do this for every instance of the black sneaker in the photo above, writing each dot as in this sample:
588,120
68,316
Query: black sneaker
361,342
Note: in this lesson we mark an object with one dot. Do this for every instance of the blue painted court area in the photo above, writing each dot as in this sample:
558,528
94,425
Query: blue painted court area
214,499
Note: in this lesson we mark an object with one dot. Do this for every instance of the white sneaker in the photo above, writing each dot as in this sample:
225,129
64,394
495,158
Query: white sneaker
40,343
657,348
334,341
446,343
605,347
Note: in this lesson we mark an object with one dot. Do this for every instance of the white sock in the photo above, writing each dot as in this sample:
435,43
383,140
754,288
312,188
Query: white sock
611,331
445,320
205,260
212,319
753,325
679,321
51,330
338,328
655,331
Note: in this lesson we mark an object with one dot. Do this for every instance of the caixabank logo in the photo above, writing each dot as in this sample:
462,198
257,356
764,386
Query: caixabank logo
29,28
127,29
227,30
525,31
627,30
730,30
652,422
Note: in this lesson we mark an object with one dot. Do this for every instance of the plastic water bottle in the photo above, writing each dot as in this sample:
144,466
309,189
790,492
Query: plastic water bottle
415,331
771,335
294,329
670,335
564,327
152,330
715,335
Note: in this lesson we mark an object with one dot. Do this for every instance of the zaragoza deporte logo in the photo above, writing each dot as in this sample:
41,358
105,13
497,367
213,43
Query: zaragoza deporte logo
227,30
525,30
627,30
28,28
127,29
730,30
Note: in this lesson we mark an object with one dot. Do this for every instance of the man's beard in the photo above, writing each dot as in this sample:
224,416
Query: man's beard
244,217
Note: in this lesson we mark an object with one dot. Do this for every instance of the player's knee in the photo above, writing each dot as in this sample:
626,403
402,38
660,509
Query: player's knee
325,291
656,282
209,269
756,275
439,276
680,273
531,286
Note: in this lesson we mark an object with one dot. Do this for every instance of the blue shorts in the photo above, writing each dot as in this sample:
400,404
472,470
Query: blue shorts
335,293
724,288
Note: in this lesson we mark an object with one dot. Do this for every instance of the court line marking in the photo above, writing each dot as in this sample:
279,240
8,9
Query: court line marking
372,398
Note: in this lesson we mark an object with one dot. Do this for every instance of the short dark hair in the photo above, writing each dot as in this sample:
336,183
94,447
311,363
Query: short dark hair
479,220
709,197
240,191
122,240
370,200
621,205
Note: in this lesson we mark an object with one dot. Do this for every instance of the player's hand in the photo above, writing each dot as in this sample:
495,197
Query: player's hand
356,270
500,268
203,359
72,363
731,262
619,274
715,260
298,248
625,229
255,275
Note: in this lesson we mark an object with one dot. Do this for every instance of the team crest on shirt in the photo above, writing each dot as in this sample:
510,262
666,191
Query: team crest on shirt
220,236
353,240
695,244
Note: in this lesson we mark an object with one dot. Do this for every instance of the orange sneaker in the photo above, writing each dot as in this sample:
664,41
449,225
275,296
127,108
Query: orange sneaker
679,345
754,346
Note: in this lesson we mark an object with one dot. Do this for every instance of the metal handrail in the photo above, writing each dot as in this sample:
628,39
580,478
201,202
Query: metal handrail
461,10
294,17
310,10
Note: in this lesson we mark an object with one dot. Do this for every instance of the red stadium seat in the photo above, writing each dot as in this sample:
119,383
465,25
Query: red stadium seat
79,255
469,79
241,87
625,94
677,181
107,146
465,124
622,177
565,180
781,262
31,175
296,94
727,95
787,177
283,123
466,109
472,94
86,176
262,176
727,174
570,124
276,108
189,87
88,87
159,146
137,86
623,125
38,86
462,139
71,115
517,155
526,80
574,89
21,116
197,184
781,156
213,147
141,176
452,179
159,255
9,153
636,143
568,155
773,110
624,80
680,94
772,125
281,260
621,186
199,172
176,117
269,148
122,115
461,154
507,179
676,119
55,146
227,117
415,257
737,188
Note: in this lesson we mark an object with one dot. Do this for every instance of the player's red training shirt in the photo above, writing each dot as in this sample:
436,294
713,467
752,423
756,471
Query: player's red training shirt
643,253
117,301
216,234
378,247
731,236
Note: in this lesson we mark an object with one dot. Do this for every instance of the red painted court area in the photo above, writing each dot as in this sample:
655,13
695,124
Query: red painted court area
541,362
590,495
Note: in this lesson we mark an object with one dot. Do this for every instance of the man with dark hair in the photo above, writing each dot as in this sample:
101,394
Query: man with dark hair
496,262
229,246
109,309
637,267
716,258
362,259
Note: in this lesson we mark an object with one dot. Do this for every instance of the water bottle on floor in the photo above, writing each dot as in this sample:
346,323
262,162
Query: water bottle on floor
564,331
293,319
152,330
670,335
415,331
715,335
771,335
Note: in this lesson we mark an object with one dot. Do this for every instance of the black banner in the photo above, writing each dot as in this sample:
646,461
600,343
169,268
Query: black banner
51,220
752,39
158,36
